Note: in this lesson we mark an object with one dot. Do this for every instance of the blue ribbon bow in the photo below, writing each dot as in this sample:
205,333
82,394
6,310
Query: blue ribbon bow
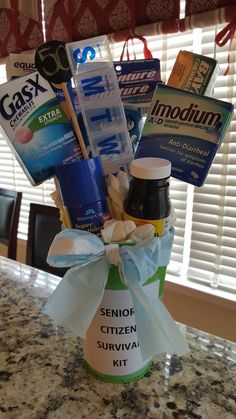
78,296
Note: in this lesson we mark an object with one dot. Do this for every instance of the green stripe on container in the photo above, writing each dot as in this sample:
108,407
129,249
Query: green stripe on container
158,276
114,282
118,379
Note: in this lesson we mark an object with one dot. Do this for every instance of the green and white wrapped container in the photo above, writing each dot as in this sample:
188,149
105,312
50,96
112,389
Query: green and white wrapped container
111,348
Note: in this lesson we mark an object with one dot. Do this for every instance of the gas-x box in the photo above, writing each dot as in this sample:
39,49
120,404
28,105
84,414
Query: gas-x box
37,128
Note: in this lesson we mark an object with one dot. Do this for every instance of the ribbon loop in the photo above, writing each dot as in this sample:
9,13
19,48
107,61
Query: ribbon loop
73,247
225,35
146,51
112,254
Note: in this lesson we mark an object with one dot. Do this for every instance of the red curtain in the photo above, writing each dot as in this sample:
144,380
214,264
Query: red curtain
156,11
79,19
204,19
68,20
20,25
195,6
58,20
95,17
8,31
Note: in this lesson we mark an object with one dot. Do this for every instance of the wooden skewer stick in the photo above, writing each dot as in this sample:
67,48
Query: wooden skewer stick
52,63
74,120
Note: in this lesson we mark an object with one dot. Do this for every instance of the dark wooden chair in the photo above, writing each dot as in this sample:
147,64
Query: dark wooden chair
10,202
44,225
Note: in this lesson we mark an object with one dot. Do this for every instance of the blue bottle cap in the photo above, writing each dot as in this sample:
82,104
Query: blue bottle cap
82,182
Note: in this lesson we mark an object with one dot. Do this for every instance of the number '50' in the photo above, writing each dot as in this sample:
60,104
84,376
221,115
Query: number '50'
52,60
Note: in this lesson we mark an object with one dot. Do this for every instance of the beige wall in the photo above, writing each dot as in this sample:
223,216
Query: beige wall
21,251
203,311
195,308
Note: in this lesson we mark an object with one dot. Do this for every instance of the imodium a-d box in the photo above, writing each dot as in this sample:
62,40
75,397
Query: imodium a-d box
37,127
186,129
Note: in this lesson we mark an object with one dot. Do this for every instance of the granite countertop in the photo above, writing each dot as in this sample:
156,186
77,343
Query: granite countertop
42,373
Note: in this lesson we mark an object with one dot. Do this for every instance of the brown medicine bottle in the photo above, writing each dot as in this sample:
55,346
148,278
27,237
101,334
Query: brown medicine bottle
148,196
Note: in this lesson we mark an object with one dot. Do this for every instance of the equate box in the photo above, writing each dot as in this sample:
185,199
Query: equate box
194,73
186,129
18,65
36,126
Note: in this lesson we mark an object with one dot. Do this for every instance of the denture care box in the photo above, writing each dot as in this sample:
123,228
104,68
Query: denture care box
137,82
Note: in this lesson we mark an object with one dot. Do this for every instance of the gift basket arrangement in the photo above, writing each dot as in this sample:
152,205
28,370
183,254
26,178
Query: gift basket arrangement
112,173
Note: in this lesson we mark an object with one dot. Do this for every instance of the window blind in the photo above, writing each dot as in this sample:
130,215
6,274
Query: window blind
213,241
205,229
205,239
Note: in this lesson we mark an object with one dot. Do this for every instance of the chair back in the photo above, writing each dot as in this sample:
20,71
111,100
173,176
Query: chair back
44,224
10,202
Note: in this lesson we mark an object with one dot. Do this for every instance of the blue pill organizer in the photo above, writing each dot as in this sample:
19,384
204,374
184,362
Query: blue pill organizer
99,101
186,129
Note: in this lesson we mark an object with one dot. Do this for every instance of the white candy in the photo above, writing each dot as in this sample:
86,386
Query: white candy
114,183
117,190
108,223
146,231
117,231
123,183
116,203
